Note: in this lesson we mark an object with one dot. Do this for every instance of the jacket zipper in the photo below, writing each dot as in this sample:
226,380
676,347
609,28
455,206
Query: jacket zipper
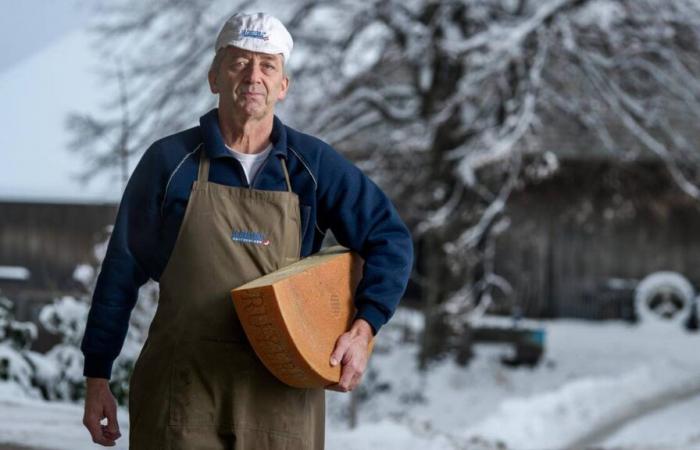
252,182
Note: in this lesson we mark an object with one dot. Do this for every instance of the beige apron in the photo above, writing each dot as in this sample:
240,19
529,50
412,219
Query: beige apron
197,383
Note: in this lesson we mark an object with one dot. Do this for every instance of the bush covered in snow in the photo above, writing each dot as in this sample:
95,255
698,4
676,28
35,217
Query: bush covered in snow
29,370
58,375
66,317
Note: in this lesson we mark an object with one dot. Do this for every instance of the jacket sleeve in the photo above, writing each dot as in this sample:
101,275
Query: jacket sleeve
363,219
126,267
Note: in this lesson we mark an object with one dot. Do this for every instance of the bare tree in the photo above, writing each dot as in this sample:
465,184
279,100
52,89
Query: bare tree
104,141
449,104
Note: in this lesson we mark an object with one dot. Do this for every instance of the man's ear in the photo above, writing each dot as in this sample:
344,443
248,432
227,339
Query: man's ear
212,77
285,87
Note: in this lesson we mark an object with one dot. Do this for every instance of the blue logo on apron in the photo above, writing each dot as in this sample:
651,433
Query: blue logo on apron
250,237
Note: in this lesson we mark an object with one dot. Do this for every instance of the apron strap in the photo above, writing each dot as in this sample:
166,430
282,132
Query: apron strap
286,175
203,173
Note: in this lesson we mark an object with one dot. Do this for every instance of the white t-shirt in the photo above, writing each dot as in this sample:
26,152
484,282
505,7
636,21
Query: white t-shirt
251,162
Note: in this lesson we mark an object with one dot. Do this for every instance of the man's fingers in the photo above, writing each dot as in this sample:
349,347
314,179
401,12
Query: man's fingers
346,378
92,423
347,382
341,347
356,377
112,423
109,434
353,369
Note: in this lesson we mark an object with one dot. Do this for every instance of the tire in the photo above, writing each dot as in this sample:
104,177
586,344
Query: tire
663,297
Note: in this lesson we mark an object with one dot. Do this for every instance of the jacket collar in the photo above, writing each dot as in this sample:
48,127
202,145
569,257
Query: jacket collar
214,141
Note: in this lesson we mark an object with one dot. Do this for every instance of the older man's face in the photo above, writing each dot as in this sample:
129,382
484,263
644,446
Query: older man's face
249,83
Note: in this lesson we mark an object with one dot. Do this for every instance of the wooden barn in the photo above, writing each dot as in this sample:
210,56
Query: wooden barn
40,246
580,241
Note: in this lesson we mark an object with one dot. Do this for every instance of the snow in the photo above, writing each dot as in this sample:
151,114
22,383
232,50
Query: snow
55,425
595,402
84,273
65,317
13,367
14,273
665,428
593,374
606,384
38,93
603,13
365,50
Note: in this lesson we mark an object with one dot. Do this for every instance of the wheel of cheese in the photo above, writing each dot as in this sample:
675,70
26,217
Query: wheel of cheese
294,316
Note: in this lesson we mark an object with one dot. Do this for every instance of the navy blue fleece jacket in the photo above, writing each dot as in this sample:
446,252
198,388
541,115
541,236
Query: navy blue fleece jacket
333,194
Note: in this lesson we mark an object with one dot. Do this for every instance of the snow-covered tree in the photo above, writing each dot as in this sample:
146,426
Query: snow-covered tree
15,339
30,371
449,104
67,316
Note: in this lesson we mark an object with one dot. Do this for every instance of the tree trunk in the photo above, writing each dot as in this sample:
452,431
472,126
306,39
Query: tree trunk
436,330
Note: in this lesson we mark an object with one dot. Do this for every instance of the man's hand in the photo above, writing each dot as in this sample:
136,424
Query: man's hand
351,351
100,404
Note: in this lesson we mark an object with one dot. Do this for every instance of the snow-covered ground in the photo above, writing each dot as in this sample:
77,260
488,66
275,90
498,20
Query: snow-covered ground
669,426
608,384
593,375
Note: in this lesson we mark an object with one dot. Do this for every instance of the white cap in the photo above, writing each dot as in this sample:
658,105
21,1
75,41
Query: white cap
257,32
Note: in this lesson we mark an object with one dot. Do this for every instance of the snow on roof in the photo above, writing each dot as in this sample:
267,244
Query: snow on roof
38,93
14,273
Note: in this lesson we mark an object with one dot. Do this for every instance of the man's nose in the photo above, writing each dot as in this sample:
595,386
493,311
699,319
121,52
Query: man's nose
253,73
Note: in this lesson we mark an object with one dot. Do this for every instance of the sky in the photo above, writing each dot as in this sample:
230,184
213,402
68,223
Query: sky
28,26
48,71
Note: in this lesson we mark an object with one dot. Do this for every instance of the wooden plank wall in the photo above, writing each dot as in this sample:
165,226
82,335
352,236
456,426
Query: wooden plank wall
49,239
572,234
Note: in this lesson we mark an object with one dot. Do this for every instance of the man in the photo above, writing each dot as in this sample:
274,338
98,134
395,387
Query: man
190,203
